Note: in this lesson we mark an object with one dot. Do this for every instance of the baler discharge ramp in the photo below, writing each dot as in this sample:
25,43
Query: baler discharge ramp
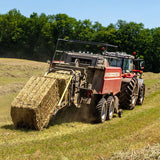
40,97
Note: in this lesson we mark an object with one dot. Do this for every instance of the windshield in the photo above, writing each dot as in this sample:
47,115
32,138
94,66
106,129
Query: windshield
115,62
125,63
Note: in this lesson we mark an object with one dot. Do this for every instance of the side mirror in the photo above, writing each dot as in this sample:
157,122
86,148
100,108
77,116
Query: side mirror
142,64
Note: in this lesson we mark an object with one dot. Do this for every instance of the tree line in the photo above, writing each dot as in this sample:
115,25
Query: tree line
35,37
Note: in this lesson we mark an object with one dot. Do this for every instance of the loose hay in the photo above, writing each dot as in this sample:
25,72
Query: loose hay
147,153
37,100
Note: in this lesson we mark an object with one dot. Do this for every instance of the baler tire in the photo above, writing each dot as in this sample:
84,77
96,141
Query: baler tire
110,107
101,110
116,104
129,94
141,95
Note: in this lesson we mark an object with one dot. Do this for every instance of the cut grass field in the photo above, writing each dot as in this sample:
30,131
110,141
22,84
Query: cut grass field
68,139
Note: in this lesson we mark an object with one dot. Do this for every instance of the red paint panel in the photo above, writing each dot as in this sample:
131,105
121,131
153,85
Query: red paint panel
111,80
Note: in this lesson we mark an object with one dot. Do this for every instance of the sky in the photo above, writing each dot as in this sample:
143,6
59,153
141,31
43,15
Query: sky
103,11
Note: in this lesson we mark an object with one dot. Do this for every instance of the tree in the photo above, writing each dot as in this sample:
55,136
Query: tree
155,52
35,37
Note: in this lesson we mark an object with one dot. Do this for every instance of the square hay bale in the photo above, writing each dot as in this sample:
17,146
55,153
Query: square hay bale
37,100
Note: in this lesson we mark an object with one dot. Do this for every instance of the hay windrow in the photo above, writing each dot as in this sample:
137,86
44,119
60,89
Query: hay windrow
37,100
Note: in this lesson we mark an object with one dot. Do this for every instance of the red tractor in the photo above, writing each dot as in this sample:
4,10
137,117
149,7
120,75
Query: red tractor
133,87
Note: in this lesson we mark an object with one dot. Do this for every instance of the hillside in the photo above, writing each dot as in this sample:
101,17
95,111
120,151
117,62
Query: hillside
133,136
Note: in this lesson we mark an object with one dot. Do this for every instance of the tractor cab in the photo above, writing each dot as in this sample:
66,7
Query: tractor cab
120,59
132,82
127,62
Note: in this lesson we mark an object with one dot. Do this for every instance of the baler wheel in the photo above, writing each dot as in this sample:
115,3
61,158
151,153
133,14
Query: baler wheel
116,104
129,94
110,107
141,95
101,110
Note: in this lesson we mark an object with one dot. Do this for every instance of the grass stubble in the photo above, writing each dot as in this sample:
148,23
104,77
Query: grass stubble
134,136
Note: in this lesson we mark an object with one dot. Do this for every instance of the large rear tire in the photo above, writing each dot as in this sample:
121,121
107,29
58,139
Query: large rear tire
141,95
129,94
101,110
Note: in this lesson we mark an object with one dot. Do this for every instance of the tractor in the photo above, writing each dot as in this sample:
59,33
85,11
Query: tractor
105,82
133,87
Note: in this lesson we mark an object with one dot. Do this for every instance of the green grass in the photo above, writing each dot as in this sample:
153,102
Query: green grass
9,80
85,141
77,140
151,78
150,82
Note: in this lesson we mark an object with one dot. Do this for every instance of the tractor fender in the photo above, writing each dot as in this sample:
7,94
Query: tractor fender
140,82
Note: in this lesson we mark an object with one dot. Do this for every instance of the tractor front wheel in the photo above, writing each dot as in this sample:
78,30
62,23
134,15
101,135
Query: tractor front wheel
141,95
129,94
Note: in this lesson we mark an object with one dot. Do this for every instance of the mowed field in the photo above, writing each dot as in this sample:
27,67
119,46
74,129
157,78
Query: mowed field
134,136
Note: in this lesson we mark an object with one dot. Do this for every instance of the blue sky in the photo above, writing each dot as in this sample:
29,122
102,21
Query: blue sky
103,11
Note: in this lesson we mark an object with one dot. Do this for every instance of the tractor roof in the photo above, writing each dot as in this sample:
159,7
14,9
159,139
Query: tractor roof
83,54
118,55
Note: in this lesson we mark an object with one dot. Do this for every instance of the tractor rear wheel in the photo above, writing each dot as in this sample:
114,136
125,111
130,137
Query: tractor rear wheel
141,95
101,110
129,94
110,107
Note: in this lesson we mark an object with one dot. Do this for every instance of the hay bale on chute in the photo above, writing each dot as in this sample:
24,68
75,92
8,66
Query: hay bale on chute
37,100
